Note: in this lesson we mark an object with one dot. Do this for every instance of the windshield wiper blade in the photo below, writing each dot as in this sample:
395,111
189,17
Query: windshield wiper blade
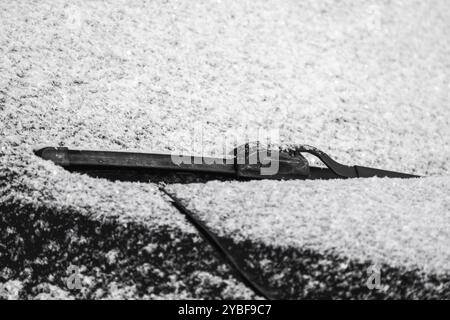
247,162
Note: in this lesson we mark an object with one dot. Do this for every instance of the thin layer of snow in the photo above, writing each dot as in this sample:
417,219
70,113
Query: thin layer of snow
401,223
368,82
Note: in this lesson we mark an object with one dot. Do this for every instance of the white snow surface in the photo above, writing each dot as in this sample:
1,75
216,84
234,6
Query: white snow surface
389,221
366,81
